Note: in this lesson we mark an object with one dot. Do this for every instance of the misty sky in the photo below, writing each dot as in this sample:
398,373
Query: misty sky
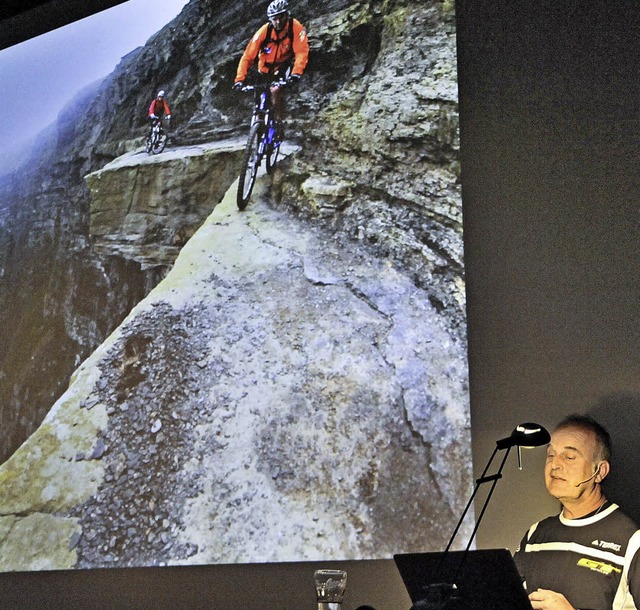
38,76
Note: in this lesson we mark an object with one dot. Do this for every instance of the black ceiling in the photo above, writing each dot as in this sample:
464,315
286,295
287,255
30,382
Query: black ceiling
22,19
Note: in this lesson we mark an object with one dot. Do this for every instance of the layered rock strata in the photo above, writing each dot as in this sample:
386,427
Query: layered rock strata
145,208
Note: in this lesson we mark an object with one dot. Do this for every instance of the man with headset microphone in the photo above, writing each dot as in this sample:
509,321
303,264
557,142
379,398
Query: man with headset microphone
585,558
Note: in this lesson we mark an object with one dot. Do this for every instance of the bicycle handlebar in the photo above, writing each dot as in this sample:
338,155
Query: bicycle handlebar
276,83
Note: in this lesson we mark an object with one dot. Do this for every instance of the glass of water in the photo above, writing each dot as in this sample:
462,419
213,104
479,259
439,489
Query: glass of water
330,587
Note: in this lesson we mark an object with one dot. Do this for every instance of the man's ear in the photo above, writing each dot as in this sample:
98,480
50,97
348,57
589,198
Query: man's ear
603,470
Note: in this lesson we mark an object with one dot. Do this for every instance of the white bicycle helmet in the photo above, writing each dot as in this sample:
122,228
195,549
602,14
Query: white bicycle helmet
277,7
161,93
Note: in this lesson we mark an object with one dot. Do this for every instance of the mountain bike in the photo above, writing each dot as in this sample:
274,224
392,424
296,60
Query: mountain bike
263,141
157,138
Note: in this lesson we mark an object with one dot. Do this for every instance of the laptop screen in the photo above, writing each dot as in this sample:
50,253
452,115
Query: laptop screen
476,580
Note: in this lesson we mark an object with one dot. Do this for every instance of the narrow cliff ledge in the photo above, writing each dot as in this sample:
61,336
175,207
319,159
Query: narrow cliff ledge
278,395
145,208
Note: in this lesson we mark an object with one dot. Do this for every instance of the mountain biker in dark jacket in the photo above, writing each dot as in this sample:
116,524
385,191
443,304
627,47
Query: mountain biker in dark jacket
281,49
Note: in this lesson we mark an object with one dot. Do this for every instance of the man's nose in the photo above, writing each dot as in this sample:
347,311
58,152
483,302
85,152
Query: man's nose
556,464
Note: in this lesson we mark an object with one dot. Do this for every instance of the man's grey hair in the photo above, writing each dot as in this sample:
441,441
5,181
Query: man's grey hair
588,424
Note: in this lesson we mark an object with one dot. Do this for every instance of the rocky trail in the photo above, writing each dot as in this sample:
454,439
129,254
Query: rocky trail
214,423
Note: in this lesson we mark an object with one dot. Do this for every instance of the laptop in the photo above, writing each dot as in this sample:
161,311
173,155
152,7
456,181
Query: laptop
475,580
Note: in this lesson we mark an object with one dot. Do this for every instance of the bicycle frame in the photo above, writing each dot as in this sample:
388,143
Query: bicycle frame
158,125
262,114
157,138
262,108
262,141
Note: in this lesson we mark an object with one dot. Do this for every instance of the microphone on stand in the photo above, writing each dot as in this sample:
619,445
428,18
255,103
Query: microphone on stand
527,435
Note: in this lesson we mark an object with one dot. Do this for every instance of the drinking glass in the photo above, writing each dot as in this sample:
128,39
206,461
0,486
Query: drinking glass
330,587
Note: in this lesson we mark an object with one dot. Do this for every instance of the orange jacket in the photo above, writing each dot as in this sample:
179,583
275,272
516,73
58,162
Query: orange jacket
159,108
277,51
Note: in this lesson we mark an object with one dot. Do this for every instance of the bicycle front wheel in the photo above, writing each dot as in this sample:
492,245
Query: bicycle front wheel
160,143
250,166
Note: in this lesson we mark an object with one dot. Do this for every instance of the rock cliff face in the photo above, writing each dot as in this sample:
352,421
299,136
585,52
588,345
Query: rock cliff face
134,213
295,387
58,298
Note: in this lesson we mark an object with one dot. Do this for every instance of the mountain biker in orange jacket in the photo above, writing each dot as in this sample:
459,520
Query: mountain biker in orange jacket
159,108
283,56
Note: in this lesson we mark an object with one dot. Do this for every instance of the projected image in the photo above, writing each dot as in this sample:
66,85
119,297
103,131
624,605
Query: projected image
185,382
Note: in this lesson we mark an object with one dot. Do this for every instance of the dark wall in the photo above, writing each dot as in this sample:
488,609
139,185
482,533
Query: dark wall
22,19
373,583
550,154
